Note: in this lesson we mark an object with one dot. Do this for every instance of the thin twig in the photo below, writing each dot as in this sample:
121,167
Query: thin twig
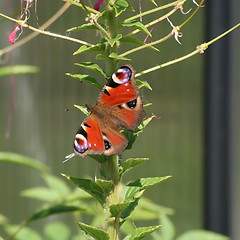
200,49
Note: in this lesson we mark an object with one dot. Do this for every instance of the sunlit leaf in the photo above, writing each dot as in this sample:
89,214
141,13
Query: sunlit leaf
95,233
83,27
117,209
130,163
127,211
202,235
18,70
150,210
133,189
101,57
136,24
142,232
131,136
117,57
87,79
131,39
95,48
120,6
145,84
99,189
22,160
114,40
82,109
92,66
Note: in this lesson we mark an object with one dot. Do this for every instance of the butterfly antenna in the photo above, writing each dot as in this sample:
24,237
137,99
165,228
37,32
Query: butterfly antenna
68,157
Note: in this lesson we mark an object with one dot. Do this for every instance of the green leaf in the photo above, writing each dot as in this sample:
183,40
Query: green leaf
128,210
53,210
56,231
117,209
114,40
131,39
83,27
22,160
101,57
120,6
92,66
143,84
99,189
148,210
167,231
133,189
95,233
131,136
117,57
18,70
130,163
95,48
136,24
142,232
201,235
41,193
87,79
82,109
57,185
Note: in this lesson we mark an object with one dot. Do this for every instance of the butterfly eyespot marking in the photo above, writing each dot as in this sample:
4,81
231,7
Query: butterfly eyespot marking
122,75
80,144
132,104
107,144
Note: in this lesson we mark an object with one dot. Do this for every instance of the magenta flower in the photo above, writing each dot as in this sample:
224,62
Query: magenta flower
97,5
11,36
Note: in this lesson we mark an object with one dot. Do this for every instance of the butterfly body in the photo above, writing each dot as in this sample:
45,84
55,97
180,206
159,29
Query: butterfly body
119,105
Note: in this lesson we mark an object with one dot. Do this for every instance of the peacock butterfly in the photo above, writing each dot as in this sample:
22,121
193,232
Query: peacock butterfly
119,105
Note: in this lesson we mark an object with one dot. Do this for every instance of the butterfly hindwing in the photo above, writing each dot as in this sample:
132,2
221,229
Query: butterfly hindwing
94,138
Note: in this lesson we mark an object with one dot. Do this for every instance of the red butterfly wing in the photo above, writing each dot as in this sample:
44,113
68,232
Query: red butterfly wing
119,105
121,95
89,138
93,138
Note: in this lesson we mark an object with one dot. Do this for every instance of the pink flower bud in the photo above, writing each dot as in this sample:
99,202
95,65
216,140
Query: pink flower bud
11,36
97,5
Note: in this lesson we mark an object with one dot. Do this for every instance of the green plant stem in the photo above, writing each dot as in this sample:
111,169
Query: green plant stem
179,2
23,24
34,34
147,45
200,49
112,31
156,20
83,7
